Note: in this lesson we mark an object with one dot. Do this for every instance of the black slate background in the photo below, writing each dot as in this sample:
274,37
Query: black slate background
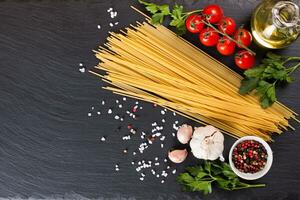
50,148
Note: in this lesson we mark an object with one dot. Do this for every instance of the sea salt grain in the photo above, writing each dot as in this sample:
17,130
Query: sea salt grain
109,111
80,64
173,134
117,117
117,101
99,26
168,167
162,181
162,145
132,162
82,69
103,102
124,99
116,23
111,24
174,171
156,158
142,178
98,113
162,112
103,139
110,9
163,120
165,160
120,106
89,114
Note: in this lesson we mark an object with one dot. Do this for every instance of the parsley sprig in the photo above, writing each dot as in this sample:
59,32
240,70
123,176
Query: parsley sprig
201,178
178,17
264,78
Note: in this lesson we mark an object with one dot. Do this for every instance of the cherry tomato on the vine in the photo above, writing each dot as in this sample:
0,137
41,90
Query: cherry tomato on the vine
194,23
244,59
226,46
209,37
227,25
213,13
243,36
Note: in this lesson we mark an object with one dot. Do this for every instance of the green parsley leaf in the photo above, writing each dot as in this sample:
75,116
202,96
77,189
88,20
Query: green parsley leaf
201,178
164,9
157,18
247,85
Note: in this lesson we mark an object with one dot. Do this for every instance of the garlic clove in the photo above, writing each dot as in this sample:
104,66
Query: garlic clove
184,133
178,156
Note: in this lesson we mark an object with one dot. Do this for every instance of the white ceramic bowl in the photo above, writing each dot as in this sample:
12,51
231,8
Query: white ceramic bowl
257,175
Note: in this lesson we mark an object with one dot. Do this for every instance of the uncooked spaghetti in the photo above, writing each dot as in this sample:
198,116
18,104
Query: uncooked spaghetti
153,64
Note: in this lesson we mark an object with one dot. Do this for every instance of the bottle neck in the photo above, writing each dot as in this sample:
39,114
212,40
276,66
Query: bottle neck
286,15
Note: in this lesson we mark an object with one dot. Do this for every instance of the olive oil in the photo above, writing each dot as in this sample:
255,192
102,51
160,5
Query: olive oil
275,24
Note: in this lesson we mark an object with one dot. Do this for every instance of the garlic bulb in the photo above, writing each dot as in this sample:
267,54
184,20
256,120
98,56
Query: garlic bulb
207,143
184,133
178,156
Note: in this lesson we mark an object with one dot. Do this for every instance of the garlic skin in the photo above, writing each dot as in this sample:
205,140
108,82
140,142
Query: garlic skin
178,156
184,133
207,143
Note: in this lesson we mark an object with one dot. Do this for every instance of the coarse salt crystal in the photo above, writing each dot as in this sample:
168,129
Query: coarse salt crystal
174,113
174,171
116,23
165,110
120,106
142,174
176,122
162,112
111,24
103,139
103,102
117,169
121,119
162,138
157,175
134,153
156,164
156,158
89,114
163,120
136,102
117,117
132,162
80,64
109,111
173,134
162,181
117,101
142,178
154,124
98,113
124,99
162,145
99,26
165,160
82,69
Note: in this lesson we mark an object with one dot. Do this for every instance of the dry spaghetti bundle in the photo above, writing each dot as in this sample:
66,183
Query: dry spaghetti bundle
151,63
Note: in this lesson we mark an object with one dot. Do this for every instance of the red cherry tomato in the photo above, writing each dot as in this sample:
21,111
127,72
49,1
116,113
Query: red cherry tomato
209,37
213,13
244,59
226,46
243,36
227,25
194,23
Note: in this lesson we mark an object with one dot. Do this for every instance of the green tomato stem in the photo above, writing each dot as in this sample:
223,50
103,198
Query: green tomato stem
230,38
185,14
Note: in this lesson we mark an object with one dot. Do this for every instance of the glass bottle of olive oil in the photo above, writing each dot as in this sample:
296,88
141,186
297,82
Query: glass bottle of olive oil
275,24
